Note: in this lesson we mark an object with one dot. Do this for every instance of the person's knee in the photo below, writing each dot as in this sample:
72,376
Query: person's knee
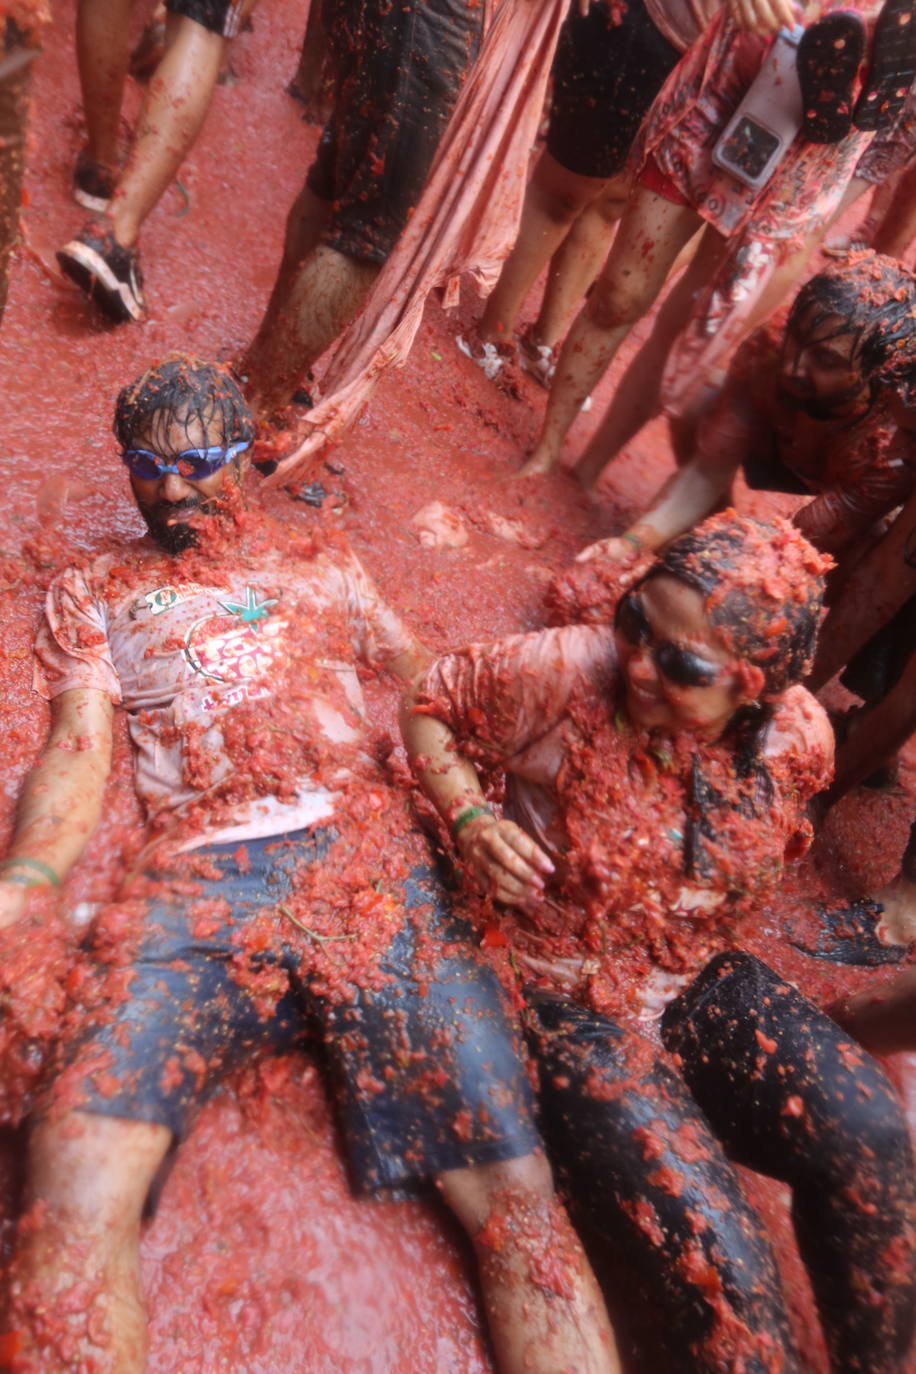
617,301
474,1193
93,1174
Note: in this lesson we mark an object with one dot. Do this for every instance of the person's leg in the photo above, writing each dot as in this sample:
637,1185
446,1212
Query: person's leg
577,262
15,84
328,290
88,1181
791,1096
103,54
649,238
649,1177
431,1084
898,227
545,1309
553,203
638,393
174,109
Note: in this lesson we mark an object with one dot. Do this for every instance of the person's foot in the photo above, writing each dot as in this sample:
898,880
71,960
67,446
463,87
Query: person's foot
892,70
829,56
93,183
853,935
843,245
489,357
540,362
105,271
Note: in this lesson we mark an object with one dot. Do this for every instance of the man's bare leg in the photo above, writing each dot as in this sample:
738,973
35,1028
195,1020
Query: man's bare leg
546,1313
103,54
305,225
327,291
648,240
553,203
577,262
88,1181
174,109
637,397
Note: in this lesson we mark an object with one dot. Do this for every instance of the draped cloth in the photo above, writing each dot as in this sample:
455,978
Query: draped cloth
465,223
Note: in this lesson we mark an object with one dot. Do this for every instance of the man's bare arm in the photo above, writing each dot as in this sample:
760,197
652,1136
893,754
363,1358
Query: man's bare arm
61,799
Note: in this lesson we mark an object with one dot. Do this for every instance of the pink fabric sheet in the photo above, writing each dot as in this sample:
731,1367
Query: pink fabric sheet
465,223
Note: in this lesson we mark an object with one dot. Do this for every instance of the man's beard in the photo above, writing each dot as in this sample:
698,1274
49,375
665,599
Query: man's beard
181,535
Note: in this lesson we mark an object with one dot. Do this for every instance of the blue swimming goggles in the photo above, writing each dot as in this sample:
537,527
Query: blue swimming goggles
195,464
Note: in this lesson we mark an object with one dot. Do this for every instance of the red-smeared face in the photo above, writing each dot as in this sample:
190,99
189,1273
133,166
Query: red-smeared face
169,503
678,672
818,372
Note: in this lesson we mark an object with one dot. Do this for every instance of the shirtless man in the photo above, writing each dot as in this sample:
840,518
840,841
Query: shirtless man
265,904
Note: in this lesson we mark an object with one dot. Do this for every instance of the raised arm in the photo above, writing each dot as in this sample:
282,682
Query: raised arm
61,799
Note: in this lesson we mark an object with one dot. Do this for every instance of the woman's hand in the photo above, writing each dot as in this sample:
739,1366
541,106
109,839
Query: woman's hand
566,973
507,863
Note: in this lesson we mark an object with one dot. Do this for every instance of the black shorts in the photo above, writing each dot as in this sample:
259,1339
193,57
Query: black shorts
766,472
219,16
426,1072
399,69
605,77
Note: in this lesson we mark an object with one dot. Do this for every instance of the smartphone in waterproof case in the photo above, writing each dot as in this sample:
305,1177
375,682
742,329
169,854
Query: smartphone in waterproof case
760,131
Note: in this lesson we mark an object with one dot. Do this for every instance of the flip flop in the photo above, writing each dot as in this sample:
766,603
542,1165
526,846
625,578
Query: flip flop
892,70
829,56
849,935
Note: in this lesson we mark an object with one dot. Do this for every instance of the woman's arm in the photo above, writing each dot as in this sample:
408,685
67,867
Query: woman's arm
61,799
507,862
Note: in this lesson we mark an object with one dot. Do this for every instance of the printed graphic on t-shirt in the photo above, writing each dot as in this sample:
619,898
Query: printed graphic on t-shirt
242,644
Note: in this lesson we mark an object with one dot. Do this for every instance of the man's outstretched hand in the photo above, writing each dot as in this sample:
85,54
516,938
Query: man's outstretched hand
506,862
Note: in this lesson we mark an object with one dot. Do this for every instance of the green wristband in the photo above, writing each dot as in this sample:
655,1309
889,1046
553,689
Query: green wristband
635,540
470,813
39,867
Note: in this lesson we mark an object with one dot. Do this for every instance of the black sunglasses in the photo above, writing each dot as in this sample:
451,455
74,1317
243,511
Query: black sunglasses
682,667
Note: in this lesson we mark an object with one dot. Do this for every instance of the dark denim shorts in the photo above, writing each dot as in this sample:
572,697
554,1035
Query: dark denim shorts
426,1072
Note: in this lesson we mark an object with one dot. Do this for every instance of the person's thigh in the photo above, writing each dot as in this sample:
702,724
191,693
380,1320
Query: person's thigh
428,1066
791,1095
650,1178
565,194
399,71
650,235
221,17
607,71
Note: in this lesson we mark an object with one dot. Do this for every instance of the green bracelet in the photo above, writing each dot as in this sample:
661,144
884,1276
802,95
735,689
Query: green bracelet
37,864
470,813
635,540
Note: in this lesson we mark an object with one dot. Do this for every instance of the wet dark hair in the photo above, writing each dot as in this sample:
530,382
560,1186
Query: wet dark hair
763,585
875,296
182,389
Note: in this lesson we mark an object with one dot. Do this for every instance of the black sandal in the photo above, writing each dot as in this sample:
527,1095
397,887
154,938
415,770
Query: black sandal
829,56
892,70
849,936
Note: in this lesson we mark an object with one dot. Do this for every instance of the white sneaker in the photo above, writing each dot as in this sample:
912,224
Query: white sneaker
539,361
488,358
